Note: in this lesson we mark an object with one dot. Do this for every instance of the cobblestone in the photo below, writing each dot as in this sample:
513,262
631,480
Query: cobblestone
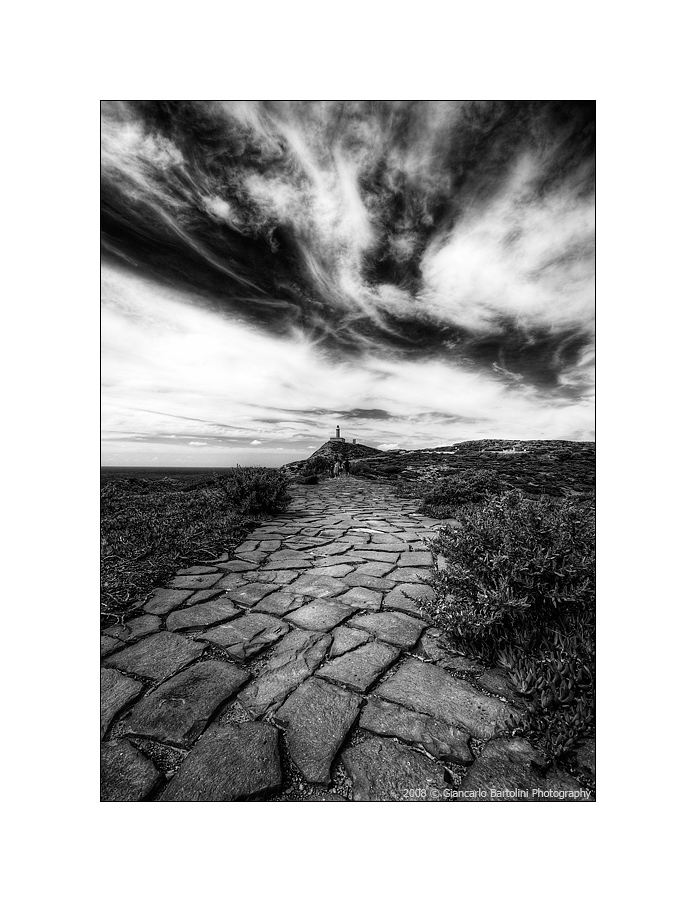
314,618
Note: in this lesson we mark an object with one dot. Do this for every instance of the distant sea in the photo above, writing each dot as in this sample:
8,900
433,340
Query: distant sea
109,474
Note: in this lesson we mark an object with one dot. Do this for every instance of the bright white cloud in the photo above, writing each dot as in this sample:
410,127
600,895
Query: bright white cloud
173,368
503,264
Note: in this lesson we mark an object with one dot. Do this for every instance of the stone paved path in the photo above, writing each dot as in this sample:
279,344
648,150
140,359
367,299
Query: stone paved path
301,667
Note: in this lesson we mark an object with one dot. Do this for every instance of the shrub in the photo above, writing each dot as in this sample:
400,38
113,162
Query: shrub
464,487
409,486
306,480
518,591
518,559
390,469
358,468
556,678
316,466
255,490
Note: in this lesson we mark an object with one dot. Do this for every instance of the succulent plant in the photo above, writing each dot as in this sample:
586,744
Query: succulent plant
518,592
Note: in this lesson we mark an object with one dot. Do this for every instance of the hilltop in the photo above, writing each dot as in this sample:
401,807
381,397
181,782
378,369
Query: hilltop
329,452
537,467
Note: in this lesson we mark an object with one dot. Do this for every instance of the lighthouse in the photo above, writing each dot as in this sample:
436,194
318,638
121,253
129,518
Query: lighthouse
337,437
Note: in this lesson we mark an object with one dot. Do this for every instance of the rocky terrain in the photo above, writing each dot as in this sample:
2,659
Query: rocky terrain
536,467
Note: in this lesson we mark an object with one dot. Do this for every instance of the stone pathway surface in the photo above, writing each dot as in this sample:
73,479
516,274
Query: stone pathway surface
301,667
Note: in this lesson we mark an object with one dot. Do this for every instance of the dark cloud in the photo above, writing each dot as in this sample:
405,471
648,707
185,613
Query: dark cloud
449,418
314,412
354,414
455,231
371,414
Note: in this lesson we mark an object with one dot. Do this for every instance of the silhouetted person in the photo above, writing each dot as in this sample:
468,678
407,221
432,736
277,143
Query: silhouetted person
346,467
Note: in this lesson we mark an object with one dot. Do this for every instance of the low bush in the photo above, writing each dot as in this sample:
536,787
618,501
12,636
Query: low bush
518,592
408,486
306,480
255,490
316,466
390,469
443,496
358,468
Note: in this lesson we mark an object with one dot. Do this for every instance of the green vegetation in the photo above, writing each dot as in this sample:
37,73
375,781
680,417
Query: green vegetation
375,468
152,527
518,592
448,494
535,467
255,490
362,469
306,480
317,466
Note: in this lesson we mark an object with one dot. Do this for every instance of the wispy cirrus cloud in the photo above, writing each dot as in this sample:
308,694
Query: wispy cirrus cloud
428,263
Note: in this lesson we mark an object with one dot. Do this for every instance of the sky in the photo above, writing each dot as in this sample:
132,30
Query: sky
419,273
